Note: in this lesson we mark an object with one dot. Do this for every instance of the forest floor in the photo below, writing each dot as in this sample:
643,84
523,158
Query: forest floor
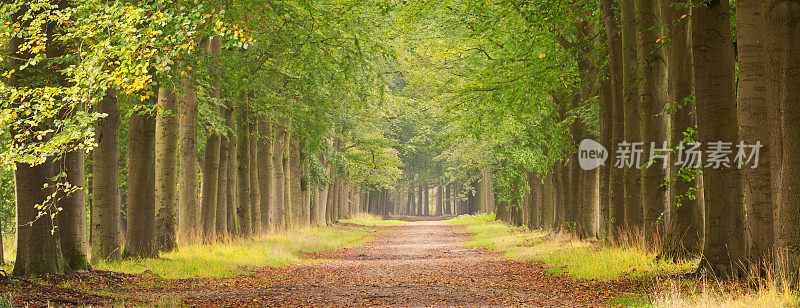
427,263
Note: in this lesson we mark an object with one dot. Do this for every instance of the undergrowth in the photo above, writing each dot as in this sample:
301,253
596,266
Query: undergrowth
229,259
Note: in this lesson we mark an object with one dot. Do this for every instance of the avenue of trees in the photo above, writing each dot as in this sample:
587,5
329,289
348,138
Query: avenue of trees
131,127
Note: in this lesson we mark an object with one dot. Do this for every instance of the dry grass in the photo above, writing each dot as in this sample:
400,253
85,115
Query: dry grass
564,252
771,288
229,258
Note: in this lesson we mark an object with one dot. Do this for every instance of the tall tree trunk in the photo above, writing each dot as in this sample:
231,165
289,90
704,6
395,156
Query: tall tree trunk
439,200
106,241
38,250
297,195
287,176
653,100
166,166
141,239
188,219
323,197
232,190
255,188
243,173
725,243
611,13
222,188
782,50
534,200
548,202
684,235
332,199
211,168
633,201
72,219
211,163
280,150
305,186
266,175
427,198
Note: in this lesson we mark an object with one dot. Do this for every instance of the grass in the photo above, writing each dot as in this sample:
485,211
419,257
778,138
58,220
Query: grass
632,257
230,259
562,252
365,219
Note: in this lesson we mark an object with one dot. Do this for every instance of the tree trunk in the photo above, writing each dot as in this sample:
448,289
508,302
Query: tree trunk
38,250
222,188
616,198
548,202
280,148
243,173
106,241
233,178
653,100
188,219
725,243
255,188
632,175
211,168
141,239
266,175
295,166
332,199
323,197
211,164
305,186
287,176
782,50
166,167
439,200
684,235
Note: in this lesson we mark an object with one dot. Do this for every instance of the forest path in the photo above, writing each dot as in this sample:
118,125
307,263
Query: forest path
418,264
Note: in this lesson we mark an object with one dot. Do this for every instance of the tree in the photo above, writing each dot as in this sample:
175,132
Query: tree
243,172
266,176
653,100
255,192
166,166
685,231
724,248
633,187
141,238
106,240
781,64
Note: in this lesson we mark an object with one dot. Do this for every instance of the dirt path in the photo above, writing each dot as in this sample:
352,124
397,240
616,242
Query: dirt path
419,264
416,264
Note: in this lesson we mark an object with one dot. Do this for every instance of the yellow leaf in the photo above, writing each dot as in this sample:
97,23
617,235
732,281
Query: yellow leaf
541,56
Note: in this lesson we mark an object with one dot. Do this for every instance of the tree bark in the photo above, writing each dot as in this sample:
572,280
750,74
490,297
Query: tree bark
221,215
141,238
243,173
232,191
684,234
280,152
166,166
106,241
633,201
305,186
653,100
782,50
188,219
616,199
211,168
255,188
266,175
725,244
287,176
